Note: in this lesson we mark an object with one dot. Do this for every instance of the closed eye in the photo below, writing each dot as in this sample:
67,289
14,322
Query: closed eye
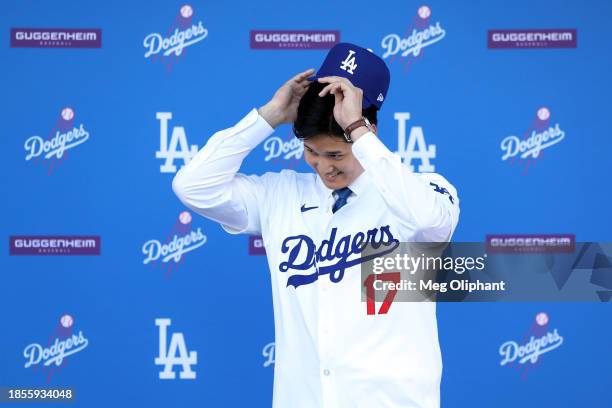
332,155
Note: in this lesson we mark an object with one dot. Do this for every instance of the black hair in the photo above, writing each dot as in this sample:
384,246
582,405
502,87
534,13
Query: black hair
315,114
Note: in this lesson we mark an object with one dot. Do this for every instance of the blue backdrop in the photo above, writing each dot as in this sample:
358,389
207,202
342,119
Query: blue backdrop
463,97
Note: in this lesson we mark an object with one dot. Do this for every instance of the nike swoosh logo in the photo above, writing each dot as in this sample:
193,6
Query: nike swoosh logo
304,208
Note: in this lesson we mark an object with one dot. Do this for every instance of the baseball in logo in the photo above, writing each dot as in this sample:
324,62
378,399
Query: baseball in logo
67,114
424,12
66,321
186,11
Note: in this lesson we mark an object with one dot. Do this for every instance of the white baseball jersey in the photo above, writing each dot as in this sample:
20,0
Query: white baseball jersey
329,351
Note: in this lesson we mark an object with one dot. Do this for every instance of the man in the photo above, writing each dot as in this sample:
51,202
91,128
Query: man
329,351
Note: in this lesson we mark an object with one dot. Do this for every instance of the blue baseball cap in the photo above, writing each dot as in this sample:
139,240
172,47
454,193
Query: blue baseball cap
362,67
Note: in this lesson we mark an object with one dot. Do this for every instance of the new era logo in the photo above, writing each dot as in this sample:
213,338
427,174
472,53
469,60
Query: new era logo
380,98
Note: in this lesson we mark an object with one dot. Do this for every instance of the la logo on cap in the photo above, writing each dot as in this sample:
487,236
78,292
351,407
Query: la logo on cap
349,64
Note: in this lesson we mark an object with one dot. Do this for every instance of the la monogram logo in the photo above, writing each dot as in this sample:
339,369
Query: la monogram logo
168,356
349,64
169,151
442,191
416,147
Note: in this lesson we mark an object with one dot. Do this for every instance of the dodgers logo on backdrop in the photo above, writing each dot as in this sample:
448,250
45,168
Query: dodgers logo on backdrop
268,353
181,240
541,135
64,136
421,33
332,257
287,151
416,148
182,33
63,342
177,148
542,340
175,353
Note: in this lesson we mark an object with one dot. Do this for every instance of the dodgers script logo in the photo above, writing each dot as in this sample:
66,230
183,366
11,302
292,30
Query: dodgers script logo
290,150
416,148
63,137
304,255
174,354
168,151
541,135
182,33
542,340
268,353
420,33
62,343
181,240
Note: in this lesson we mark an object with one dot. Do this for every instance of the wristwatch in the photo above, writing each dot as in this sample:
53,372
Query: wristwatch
357,124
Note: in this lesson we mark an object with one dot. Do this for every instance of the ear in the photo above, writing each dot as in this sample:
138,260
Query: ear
375,128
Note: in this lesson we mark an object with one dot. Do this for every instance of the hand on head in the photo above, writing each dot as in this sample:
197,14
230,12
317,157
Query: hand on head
348,99
282,108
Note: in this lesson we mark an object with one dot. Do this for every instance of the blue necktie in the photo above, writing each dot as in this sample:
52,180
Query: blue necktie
342,194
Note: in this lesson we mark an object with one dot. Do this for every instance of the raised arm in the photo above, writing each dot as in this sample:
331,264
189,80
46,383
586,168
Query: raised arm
210,183
426,205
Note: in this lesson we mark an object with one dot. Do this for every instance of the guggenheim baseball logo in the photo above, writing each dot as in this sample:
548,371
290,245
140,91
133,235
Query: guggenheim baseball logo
294,39
535,38
183,32
256,245
539,340
64,136
421,33
530,243
56,38
54,245
63,342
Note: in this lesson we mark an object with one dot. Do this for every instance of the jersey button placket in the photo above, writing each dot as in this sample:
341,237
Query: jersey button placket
325,337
